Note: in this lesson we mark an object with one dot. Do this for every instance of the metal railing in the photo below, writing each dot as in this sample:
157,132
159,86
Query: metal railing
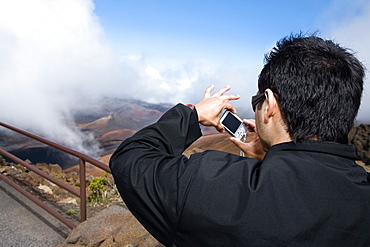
82,170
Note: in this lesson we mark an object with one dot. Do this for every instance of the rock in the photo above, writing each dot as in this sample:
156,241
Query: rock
55,169
114,226
32,176
3,170
28,161
49,168
46,189
109,242
69,200
12,171
359,136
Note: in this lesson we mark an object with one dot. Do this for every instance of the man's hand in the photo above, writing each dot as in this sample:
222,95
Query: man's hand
252,149
210,108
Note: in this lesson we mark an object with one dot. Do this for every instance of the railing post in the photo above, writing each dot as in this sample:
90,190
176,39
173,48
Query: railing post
82,190
82,160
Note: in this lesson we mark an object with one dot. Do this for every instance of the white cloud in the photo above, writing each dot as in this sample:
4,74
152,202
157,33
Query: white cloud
51,52
175,80
53,57
153,73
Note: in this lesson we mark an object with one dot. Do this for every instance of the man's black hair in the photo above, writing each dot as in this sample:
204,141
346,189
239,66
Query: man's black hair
318,85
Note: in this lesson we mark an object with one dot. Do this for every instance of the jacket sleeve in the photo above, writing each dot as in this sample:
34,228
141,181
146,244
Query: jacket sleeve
149,170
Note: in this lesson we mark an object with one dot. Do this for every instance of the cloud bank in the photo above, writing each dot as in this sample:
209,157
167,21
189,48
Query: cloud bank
54,57
352,32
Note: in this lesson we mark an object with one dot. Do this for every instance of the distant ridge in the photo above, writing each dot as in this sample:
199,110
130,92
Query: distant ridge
112,120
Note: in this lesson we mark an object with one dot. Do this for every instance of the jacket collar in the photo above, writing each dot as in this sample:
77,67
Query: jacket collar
333,148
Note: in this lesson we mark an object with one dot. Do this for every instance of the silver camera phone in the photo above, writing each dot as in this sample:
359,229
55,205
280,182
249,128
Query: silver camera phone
233,124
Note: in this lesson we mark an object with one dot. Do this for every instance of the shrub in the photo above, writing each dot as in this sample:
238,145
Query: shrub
97,189
72,211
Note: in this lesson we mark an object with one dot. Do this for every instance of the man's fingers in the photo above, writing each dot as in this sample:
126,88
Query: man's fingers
210,107
230,97
207,93
230,107
220,128
251,123
221,91
237,142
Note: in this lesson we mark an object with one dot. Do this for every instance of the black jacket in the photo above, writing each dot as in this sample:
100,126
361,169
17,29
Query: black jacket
306,194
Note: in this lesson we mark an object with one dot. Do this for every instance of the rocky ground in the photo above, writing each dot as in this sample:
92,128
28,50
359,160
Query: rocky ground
63,201
109,222
113,226
359,136
121,229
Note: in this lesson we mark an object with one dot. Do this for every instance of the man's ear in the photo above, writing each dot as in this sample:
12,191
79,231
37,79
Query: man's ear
271,106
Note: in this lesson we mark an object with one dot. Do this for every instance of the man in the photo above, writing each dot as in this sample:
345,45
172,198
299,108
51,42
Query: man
306,190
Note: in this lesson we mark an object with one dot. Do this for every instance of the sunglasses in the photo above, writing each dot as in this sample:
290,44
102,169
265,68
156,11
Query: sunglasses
256,99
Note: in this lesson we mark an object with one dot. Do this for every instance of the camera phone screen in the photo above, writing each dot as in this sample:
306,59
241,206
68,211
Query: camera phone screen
231,122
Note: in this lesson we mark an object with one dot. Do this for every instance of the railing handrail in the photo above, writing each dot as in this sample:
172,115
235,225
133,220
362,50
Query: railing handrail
40,172
82,169
72,152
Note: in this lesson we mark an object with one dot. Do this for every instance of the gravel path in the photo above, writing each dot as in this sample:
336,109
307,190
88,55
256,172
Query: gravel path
23,223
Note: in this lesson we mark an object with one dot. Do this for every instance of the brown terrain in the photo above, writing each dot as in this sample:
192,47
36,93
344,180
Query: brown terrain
115,121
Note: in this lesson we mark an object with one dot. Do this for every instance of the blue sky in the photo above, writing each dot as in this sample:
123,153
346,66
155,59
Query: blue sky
64,54
232,34
227,25
206,29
